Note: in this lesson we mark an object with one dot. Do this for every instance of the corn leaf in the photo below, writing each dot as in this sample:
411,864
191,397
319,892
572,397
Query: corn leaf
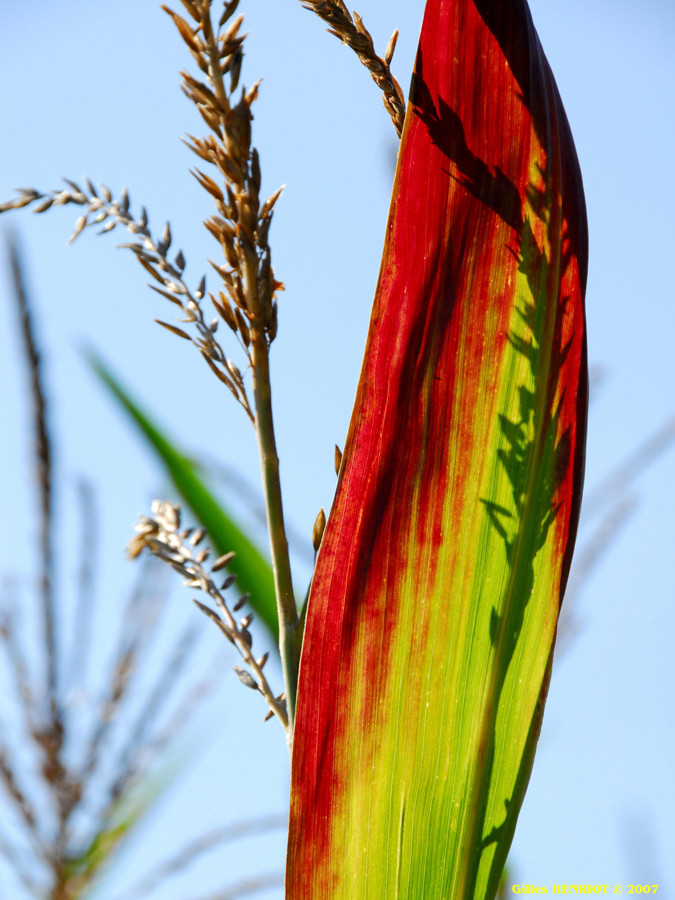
434,603
254,572
84,872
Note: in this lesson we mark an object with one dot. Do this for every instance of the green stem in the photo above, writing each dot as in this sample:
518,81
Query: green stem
290,633
290,629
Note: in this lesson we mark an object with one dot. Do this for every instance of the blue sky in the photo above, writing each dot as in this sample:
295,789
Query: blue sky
93,89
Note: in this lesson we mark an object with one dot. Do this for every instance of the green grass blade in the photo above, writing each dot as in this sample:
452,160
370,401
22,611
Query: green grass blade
253,571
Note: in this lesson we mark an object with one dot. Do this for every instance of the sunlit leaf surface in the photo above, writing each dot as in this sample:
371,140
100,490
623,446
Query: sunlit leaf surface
438,584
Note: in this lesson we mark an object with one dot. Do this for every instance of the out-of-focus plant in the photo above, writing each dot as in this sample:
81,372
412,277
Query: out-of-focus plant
416,669
85,748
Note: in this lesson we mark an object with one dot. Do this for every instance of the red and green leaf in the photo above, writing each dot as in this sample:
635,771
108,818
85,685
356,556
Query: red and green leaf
434,604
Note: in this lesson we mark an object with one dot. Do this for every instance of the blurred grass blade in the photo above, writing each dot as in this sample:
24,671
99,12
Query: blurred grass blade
82,873
434,603
254,572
